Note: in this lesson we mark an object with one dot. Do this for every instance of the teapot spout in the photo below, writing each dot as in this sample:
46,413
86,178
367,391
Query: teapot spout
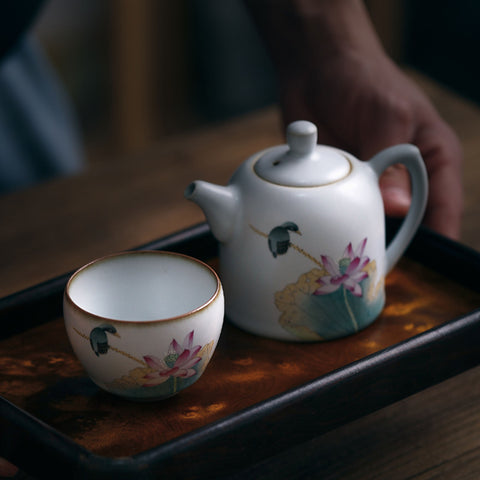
219,204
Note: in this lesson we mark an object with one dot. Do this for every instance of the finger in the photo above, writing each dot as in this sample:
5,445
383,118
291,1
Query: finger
443,157
396,190
7,469
294,107
393,126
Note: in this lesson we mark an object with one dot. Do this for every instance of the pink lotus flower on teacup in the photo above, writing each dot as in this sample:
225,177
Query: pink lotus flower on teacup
177,363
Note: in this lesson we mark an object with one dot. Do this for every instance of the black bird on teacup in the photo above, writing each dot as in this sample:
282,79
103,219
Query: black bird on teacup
99,339
279,238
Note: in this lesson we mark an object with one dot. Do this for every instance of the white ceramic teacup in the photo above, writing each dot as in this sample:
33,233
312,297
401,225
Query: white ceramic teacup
144,324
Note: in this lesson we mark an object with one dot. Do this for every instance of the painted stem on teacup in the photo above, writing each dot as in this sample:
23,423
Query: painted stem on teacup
184,362
115,349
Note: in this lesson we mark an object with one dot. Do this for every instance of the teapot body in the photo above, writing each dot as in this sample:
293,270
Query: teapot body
305,263
301,229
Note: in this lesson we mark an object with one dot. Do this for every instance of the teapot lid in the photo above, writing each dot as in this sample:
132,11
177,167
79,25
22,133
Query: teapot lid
302,163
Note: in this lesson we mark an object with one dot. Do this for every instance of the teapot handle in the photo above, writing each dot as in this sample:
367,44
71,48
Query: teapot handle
410,156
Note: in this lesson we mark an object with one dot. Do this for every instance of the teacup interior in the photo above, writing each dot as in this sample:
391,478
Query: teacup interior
143,286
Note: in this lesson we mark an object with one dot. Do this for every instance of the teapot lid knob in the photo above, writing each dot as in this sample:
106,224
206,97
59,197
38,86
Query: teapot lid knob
302,163
302,137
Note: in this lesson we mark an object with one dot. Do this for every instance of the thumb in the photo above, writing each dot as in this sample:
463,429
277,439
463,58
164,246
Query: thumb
396,191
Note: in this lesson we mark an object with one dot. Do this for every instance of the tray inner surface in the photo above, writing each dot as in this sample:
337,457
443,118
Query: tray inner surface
40,375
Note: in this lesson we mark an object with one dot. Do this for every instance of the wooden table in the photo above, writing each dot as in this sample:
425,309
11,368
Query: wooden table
117,204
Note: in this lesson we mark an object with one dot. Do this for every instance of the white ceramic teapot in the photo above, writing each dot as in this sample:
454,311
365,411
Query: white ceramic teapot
301,229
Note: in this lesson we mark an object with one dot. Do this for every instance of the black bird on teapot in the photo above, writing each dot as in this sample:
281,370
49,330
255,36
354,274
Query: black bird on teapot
279,238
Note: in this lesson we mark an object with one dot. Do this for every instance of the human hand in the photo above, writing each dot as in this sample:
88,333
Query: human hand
333,71
366,106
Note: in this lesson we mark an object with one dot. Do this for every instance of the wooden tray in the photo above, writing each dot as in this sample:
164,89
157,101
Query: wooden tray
257,397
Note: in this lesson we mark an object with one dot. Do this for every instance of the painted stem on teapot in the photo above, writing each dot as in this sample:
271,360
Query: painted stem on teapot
334,300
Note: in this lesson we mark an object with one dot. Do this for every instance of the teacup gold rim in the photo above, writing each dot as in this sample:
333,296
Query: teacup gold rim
185,315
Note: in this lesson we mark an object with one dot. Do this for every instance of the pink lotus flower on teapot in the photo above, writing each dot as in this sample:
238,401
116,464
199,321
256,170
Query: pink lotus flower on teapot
348,272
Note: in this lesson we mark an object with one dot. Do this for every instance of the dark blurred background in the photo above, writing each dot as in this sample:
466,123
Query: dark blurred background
141,70
442,39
